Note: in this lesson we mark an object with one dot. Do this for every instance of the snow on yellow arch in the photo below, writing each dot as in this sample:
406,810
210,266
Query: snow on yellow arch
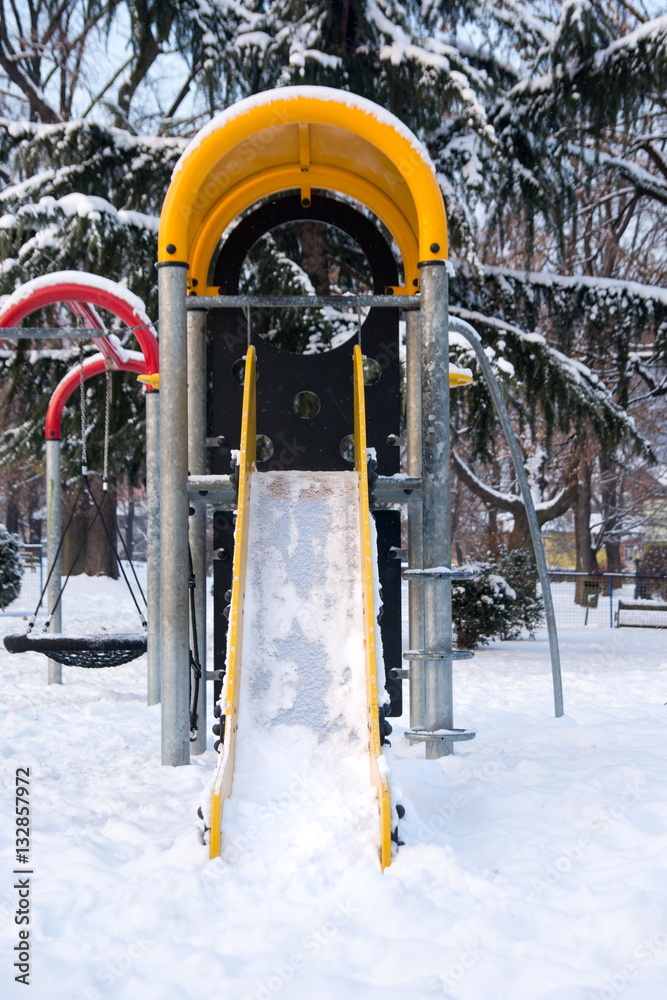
302,138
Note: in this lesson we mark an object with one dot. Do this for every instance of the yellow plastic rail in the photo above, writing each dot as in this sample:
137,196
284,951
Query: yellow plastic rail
378,777
291,177
222,783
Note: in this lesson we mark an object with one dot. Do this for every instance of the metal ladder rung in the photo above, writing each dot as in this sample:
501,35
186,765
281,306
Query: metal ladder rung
440,573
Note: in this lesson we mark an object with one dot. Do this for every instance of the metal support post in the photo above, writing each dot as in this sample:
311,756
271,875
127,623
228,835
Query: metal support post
413,407
473,338
174,514
53,533
197,465
154,630
436,503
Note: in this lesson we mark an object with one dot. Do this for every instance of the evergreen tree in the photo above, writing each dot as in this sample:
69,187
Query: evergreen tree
11,568
546,123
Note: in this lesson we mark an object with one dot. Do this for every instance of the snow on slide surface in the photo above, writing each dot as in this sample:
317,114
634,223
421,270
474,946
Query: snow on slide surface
302,784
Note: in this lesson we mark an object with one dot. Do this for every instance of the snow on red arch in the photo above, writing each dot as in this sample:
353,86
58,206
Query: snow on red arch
83,279
79,286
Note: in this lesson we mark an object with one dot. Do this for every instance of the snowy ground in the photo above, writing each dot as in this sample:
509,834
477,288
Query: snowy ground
535,863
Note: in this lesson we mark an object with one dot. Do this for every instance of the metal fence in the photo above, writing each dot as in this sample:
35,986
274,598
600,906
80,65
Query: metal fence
580,600
608,600
34,578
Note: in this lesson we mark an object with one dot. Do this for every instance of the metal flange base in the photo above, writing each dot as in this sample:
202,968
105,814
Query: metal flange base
443,736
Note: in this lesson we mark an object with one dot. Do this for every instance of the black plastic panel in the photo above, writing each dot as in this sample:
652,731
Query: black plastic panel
311,443
223,545
388,525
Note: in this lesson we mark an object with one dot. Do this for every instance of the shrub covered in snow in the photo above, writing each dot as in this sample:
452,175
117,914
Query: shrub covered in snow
519,569
11,568
501,601
653,567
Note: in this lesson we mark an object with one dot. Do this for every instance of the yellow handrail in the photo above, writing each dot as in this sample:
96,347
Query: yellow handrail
378,778
222,782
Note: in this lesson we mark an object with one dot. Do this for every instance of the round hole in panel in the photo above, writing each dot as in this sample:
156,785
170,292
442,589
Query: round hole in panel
306,405
347,448
264,448
330,260
372,371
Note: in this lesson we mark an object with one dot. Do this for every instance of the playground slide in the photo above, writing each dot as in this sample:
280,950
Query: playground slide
301,766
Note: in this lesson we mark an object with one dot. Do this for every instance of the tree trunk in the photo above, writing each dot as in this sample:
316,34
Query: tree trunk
586,561
314,256
86,548
101,557
493,543
519,536
611,487
74,542
13,515
614,562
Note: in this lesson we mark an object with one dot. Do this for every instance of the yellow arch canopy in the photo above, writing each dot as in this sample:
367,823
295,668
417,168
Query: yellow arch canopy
302,138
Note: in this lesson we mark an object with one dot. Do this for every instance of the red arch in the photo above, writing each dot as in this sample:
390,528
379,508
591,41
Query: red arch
70,383
76,289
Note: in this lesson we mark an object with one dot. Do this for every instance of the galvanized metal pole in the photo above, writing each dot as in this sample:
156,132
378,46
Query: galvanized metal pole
413,414
174,514
473,338
153,598
198,466
53,533
436,503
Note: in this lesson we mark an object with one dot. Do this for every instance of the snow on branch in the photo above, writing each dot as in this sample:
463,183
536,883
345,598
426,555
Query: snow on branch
609,286
546,510
644,181
640,50
560,381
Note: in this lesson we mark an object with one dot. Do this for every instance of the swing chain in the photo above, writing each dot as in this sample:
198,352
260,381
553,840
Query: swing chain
82,392
107,412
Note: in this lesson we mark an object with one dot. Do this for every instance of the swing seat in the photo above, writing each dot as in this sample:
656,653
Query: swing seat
95,651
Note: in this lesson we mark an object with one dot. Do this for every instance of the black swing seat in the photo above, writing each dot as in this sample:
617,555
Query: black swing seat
106,650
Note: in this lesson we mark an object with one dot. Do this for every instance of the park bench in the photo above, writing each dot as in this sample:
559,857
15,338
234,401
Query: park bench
641,613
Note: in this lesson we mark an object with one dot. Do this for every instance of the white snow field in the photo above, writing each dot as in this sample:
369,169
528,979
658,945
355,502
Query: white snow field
534,865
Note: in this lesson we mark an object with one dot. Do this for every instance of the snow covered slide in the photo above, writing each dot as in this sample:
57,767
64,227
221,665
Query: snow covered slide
301,767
